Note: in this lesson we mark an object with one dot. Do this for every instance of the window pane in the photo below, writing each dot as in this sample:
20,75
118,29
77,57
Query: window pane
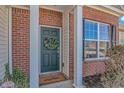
104,32
103,48
121,38
90,49
90,30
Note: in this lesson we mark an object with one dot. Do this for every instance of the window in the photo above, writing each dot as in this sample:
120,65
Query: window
97,39
121,38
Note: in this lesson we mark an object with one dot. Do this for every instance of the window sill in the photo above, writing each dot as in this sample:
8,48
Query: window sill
95,59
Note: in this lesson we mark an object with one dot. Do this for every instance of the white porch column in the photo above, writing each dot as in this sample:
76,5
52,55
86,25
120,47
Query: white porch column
34,46
78,42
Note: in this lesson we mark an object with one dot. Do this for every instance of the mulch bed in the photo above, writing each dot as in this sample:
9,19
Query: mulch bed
93,81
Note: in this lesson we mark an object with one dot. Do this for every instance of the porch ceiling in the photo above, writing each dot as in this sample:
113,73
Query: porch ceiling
61,8
114,9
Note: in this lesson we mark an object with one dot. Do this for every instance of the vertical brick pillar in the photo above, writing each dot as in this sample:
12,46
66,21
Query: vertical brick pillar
20,39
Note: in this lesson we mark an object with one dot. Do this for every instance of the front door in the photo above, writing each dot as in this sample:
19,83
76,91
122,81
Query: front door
50,49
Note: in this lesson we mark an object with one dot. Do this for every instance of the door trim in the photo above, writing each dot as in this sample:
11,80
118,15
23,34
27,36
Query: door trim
60,58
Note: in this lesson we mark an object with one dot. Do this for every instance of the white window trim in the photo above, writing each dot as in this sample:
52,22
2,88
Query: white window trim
93,59
98,48
97,40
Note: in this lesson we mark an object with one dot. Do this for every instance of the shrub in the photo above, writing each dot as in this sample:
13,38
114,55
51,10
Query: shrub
93,81
114,74
7,76
0,82
18,77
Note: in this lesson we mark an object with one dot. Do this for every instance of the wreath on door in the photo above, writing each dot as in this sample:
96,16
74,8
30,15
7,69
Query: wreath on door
51,43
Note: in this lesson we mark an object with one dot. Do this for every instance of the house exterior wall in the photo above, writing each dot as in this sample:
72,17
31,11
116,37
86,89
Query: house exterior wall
121,36
20,39
65,43
94,66
21,44
21,34
3,39
50,17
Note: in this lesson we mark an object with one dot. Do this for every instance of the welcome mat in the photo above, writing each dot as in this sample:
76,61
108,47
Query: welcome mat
51,78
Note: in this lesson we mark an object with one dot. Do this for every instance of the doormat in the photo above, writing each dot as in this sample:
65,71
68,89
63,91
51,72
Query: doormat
52,78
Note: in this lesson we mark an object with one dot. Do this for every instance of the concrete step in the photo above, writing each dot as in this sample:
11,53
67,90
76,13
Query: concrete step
61,84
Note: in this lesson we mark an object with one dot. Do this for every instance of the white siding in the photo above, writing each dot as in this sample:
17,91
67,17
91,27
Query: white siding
66,42
3,39
121,38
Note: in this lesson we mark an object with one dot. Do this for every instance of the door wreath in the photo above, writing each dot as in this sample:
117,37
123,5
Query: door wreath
51,43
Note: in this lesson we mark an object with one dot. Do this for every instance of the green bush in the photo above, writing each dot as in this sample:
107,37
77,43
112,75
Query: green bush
0,82
7,76
18,77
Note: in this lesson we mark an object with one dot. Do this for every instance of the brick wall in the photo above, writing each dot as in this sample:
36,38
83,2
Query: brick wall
93,67
96,66
20,39
100,16
50,17
21,34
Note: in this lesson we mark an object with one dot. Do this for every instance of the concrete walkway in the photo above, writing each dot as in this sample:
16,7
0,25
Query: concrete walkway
61,84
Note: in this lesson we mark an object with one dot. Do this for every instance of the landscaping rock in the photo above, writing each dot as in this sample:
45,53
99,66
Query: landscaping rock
8,84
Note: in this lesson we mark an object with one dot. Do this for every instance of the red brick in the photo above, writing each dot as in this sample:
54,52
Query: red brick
50,17
89,68
21,43
21,34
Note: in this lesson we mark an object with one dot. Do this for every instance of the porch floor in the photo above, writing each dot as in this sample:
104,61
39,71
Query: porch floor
51,78
61,84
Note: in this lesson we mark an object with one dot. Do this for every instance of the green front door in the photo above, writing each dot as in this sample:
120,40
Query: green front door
50,46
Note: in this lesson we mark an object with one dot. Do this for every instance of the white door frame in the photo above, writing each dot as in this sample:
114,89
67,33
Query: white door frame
60,53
